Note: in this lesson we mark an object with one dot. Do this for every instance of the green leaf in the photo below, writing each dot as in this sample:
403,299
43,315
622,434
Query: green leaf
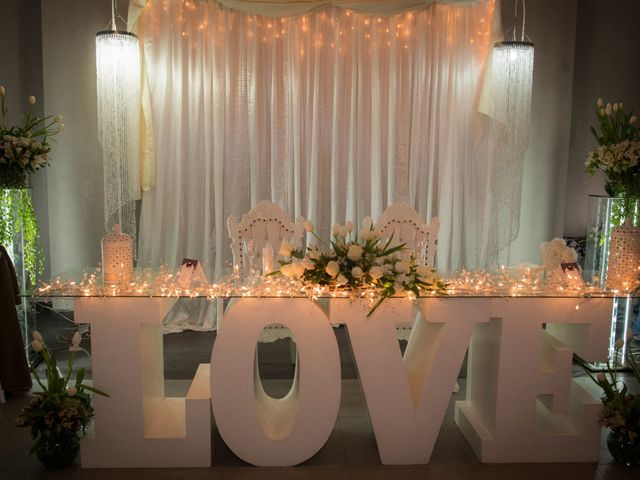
94,390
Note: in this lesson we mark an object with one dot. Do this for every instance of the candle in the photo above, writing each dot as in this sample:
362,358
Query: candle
117,257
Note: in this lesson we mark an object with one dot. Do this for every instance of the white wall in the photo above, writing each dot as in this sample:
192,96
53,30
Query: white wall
607,64
76,198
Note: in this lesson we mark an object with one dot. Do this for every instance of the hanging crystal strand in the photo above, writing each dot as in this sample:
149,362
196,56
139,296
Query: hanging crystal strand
118,92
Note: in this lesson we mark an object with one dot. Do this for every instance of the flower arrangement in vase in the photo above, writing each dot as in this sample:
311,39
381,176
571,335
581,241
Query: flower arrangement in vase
621,409
361,261
24,149
618,152
59,414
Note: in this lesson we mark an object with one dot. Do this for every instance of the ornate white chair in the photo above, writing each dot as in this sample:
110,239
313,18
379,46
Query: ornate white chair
403,224
265,225
407,226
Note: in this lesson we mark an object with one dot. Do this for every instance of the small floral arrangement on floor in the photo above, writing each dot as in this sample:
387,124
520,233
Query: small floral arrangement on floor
59,414
618,152
621,412
24,148
359,261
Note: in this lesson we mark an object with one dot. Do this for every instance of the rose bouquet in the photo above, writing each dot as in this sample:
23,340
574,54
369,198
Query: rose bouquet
362,261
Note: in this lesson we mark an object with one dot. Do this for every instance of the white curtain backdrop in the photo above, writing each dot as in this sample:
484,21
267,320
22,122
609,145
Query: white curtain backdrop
332,114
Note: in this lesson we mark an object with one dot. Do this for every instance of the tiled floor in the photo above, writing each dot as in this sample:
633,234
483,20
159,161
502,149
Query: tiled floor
350,453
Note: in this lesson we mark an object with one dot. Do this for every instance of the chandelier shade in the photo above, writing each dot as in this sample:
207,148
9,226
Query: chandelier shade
118,95
512,79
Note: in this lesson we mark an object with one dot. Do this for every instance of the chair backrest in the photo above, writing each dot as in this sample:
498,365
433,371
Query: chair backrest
407,226
266,223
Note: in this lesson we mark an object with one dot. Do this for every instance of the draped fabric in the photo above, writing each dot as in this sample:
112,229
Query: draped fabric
333,115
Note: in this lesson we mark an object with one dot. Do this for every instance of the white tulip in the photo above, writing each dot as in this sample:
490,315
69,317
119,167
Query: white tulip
376,272
32,100
298,269
60,127
364,234
629,334
601,111
602,377
313,254
37,346
308,226
355,252
615,107
308,264
58,118
37,336
341,280
608,109
619,343
332,268
343,232
72,391
287,270
600,103
621,106
2,91
633,119
349,226
285,249
75,342
356,272
336,229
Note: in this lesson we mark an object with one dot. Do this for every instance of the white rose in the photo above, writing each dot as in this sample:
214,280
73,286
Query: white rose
599,103
308,226
332,268
71,391
285,249
37,336
341,280
336,229
349,226
402,267
36,345
355,252
58,118
376,272
356,272
32,100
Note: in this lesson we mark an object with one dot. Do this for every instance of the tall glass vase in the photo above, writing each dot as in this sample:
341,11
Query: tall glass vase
605,214
19,234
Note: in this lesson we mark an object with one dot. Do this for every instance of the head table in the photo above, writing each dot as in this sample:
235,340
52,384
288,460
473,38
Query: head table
521,404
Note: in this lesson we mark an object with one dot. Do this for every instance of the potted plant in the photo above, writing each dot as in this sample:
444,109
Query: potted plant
59,414
621,411
24,149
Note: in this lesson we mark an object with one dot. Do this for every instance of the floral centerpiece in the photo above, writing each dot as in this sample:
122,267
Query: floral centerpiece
24,149
359,262
621,411
618,152
59,414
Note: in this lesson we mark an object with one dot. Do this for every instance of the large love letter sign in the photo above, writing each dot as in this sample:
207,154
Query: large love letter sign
407,397
137,426
262,430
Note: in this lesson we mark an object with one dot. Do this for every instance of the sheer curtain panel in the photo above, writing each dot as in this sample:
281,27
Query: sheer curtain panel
331,114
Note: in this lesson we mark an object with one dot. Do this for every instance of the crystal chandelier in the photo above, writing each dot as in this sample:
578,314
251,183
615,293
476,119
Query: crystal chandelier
118,94
512,75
